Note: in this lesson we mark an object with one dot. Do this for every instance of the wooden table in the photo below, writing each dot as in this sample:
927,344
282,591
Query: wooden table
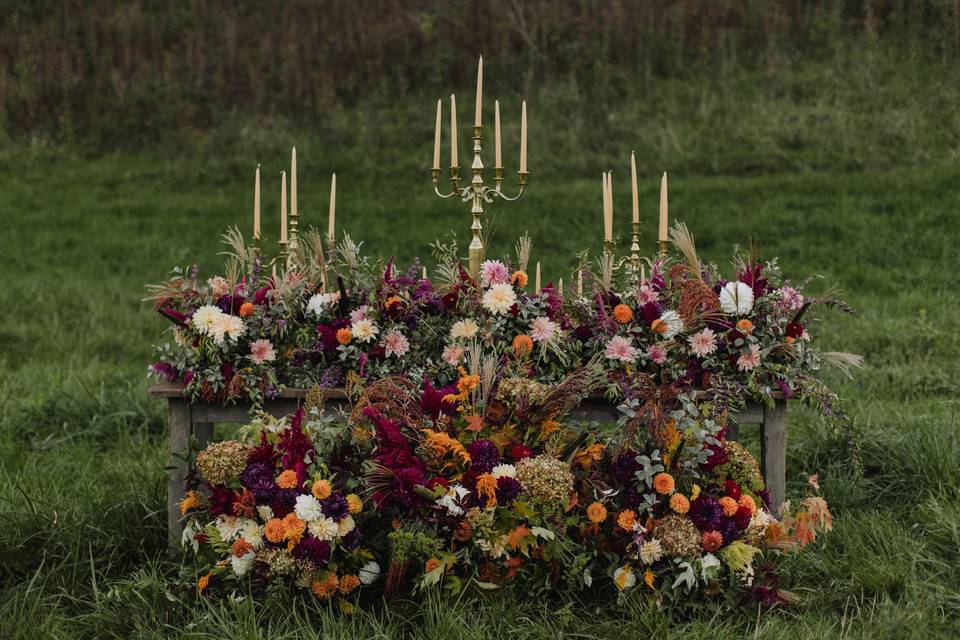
197,419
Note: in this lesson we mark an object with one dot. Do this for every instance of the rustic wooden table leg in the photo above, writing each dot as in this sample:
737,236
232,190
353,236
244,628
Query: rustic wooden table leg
203,431
733,431
773,451
178,466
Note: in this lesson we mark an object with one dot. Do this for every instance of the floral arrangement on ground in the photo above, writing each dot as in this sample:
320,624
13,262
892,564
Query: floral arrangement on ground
484,484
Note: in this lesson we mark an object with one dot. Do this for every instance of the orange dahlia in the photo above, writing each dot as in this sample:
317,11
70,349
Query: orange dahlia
596,513
326,587
344,335
748,502
627,519
663,483
354,503
288,479
712,540
431,564
679,503
321,489
729,505
348,583
246,309
744,326
622,313
519,278
273,530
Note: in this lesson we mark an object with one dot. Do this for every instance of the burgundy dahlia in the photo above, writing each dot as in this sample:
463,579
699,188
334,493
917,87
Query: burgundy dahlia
507,490
352,540
484,455
520,451
314,550
335,506
707,514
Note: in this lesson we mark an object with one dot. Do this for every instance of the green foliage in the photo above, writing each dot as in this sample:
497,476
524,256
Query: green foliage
843,166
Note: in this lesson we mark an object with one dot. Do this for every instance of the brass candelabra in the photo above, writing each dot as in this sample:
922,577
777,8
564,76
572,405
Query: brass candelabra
477,193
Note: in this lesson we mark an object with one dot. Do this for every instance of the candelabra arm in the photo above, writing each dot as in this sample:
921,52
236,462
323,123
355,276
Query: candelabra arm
497,192
454,179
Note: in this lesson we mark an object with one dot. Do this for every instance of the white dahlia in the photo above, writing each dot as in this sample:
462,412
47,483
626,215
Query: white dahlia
499,298
736,298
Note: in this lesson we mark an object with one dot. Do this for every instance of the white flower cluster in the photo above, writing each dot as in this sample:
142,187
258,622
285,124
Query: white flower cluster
321,527
210,320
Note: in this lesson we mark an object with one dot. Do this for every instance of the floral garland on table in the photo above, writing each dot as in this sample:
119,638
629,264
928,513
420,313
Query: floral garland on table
247,336
482,485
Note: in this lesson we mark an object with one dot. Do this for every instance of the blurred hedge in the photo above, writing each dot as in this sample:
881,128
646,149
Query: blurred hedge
143,68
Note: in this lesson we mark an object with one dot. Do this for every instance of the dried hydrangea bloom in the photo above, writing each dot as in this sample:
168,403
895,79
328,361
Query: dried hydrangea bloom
678,536
544,478
513,388
223,462
742,467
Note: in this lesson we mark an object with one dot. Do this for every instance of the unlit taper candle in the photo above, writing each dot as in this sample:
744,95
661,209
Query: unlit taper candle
453,131
436,138
293,182
256,204
331,220
496,134
537,281
663,209
523,137
633,185
283,206
477,119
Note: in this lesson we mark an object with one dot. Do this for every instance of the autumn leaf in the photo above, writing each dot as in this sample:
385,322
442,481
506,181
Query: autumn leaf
517,538
474,423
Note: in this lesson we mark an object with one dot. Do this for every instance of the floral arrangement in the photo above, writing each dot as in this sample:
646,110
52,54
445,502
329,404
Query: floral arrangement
272,507
247,335
481,485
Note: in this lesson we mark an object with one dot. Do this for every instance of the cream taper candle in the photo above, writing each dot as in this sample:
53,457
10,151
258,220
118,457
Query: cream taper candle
436,138
523,137
256,204
283,206
331,220
664,215
453,131
477,119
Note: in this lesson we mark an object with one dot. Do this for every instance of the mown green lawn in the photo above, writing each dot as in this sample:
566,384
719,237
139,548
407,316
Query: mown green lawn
82,525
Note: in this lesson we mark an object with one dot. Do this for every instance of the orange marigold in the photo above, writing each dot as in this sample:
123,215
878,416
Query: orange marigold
344,335
293,529
191,501
321,489
748,502
658,326
522,345
663,483
467,383
273,530
288,479
246,309
348,583
203,582
627,519
326,587
431,564
519,278
391,301
487,486
729,506
679,503
240,547
744,325
622,313
596,513
354,503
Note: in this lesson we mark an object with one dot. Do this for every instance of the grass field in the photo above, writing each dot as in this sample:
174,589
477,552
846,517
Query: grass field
82,486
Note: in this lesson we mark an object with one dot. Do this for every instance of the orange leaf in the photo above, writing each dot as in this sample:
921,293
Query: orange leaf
474,423
517,536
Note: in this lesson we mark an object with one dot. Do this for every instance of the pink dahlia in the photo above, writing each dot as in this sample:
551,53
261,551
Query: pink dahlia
543,329
452,354
749,361
646,294
262,351
791,299
703,343
494,272
620,348
395,343
657,353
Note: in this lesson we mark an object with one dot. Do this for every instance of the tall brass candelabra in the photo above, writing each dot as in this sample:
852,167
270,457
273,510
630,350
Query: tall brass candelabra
477,193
